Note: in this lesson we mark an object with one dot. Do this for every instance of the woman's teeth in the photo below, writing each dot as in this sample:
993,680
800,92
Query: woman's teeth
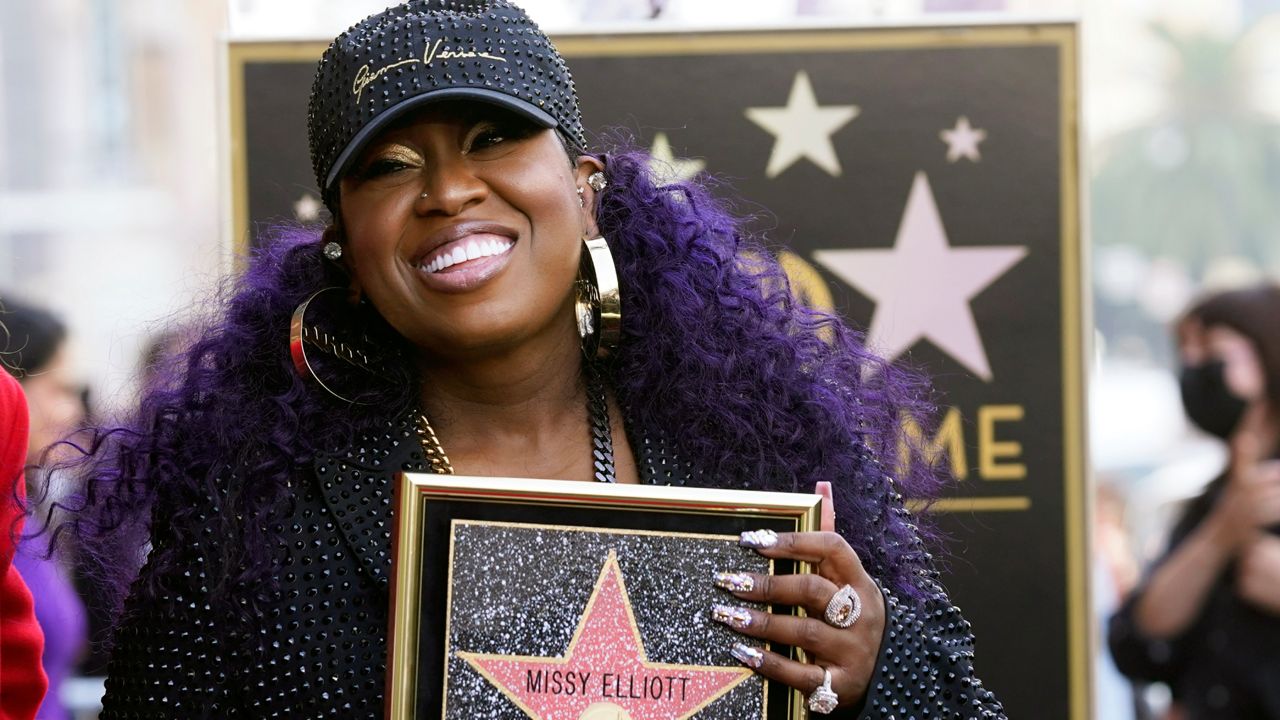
470,250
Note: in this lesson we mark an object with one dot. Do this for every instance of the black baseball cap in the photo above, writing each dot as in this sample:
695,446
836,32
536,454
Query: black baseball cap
426,51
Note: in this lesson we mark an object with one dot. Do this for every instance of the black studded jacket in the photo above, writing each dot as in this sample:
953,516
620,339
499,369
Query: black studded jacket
319,651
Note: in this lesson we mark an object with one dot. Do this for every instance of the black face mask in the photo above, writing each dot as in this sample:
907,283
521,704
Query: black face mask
1208,401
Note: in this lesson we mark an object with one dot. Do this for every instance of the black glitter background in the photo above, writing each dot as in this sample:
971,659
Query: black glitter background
522,589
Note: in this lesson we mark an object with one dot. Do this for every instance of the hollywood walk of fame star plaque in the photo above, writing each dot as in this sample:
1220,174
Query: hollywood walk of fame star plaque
558,600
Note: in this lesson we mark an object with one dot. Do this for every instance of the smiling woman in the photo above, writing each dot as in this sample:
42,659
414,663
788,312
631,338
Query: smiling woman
512,304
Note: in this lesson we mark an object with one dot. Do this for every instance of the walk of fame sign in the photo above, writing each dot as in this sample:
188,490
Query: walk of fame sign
922,183
553,600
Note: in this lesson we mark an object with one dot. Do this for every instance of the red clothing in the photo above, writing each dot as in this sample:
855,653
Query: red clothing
22,679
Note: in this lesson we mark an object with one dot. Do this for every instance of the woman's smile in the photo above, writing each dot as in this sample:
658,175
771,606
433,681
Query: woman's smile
462,257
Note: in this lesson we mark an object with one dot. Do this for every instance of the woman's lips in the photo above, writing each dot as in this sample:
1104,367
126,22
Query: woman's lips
453,256
466,263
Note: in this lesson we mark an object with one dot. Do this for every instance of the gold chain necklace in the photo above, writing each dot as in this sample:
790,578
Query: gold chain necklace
601,436
432,448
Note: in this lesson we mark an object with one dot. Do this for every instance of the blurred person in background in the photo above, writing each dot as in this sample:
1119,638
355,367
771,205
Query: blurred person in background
37,355
1206,620
22,679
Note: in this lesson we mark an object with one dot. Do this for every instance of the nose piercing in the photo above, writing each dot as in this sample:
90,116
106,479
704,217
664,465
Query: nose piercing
423,196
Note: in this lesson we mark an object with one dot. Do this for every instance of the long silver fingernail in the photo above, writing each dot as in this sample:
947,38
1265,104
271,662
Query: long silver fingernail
735,617
747,655
735,582
758,539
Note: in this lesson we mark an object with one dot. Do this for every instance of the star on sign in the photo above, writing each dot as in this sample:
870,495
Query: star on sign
923,285
307,208
666,167
962,140
803,129
606,668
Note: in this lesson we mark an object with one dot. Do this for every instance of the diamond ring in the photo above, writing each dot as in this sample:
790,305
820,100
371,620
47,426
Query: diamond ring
845,608
823,699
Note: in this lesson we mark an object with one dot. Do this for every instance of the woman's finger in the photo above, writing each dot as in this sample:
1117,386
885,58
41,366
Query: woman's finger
1267,511
803,677
827,551
828,511
1269,471
814,636
811,592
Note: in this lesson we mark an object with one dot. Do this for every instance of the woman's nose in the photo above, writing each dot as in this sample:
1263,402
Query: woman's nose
451,187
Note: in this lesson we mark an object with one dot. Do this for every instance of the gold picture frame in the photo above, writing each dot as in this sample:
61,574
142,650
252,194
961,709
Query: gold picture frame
433,509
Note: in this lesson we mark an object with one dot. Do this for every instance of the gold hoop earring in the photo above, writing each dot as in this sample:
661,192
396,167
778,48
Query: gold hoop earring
598,306
330,318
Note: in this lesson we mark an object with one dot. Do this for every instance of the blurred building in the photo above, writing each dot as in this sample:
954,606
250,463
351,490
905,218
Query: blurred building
109,174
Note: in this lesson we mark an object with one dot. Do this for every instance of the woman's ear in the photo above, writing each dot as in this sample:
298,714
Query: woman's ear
585,167
333,234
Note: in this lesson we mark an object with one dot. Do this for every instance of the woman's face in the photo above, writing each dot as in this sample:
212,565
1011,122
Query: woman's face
487,259
54,403
1242,365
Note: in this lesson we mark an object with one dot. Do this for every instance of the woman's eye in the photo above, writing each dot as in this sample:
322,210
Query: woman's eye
492,135
382,166
488,137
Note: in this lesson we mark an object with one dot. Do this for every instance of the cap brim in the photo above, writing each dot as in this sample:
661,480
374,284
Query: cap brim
484,95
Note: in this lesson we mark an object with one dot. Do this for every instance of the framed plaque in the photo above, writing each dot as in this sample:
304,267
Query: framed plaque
557,600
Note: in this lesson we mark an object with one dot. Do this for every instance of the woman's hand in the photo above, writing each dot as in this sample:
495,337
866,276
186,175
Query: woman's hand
1250,503
1251,500
848,653
1258,574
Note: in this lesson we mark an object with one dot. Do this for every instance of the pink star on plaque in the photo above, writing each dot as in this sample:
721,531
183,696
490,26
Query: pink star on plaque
605,674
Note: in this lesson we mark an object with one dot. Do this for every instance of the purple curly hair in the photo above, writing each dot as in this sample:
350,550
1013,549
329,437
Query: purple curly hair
765,391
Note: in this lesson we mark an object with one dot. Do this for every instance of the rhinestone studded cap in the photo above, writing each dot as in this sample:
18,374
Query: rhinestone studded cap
429,50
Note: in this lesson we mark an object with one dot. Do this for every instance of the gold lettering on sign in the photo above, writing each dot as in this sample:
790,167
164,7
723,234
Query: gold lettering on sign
949,439
995,456
366,76
991,451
